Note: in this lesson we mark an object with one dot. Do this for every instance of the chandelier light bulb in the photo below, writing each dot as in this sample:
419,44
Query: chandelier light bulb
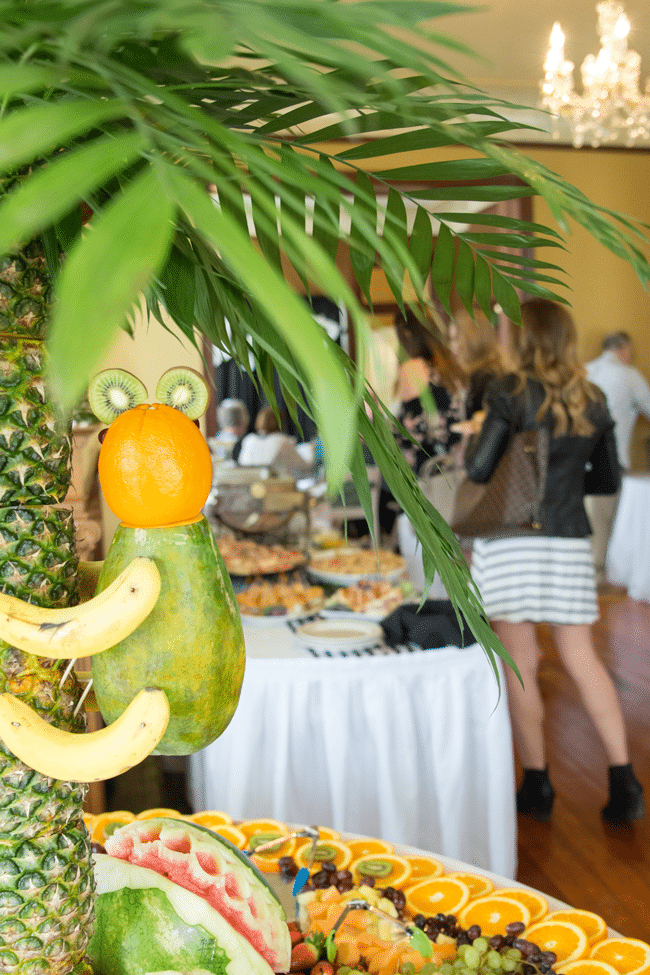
611,107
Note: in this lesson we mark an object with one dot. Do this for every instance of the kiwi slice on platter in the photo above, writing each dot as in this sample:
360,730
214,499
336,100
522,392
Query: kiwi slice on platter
375,867
185,389
113,392
260,839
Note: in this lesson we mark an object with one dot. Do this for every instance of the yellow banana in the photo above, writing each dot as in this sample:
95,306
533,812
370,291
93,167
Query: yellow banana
89,628
86,757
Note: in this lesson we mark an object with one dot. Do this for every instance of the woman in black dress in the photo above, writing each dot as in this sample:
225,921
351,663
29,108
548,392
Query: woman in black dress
549,578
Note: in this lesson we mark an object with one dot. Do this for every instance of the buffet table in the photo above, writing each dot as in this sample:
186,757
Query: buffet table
628,553
414,747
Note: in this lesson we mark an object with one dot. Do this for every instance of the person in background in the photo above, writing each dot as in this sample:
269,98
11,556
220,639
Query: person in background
430,393
233,420
628,396
269,447
474,344
549,577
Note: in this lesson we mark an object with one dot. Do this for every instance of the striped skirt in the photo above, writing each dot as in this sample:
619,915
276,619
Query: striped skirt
544,580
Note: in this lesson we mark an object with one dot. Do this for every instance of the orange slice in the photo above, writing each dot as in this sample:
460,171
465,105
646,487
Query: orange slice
211,818
445,895
162,811
268,861
478,885
233,834
105,823
369,847
492,912
249,827
592,924
536,904
325,833
388,869
327,851
587,966
567,940
423,867
627,955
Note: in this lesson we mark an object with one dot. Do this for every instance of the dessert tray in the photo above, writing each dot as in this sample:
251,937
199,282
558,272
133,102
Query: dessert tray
266,603
347,566
248,558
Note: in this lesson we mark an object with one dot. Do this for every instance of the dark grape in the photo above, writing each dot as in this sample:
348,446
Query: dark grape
97,847
288,867
515,927
419,921
328,866
322,879
473,931
102,434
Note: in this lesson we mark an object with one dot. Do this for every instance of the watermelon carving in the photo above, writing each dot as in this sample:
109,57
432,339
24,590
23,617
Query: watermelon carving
168,886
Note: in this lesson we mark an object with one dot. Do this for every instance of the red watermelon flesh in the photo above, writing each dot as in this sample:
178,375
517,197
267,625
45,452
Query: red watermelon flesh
205,864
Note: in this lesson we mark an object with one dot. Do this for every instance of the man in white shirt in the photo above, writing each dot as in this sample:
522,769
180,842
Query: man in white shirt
628,396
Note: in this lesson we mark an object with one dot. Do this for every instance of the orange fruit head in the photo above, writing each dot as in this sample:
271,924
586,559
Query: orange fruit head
155,467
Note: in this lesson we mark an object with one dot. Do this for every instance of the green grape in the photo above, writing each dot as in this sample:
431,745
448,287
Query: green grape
459,963
461,949
472,957
513,953
408,968
446,968
429,968
494,960
508,964
481,944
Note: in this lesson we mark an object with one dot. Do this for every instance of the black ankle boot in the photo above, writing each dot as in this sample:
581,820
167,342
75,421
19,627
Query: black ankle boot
536,795
625,796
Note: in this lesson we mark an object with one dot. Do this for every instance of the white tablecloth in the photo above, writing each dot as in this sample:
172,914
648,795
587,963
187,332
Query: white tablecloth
628,553
411,747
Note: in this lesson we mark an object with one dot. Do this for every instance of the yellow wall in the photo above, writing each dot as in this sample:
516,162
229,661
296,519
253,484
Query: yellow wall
605,293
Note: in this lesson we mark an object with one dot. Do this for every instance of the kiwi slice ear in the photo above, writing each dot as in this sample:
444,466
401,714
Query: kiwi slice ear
114,391
185,389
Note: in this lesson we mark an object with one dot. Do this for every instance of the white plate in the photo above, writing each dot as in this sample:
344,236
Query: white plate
346,579
327,634
349,614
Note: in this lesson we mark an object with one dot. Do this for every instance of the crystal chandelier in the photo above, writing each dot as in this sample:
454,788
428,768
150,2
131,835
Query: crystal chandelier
611,108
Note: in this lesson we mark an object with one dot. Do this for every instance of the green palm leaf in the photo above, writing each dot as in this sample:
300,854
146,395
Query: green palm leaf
300,117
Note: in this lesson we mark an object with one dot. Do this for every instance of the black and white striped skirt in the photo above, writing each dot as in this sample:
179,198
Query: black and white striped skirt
544,580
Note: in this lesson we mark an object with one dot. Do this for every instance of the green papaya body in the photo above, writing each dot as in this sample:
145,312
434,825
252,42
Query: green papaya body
191,645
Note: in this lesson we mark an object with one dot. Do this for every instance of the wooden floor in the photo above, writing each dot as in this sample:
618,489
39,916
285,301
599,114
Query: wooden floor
575,856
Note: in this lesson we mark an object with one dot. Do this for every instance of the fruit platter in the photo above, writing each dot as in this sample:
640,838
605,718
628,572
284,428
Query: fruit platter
324,903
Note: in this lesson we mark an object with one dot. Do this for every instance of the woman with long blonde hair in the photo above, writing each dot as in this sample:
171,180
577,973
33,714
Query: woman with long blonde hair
549,577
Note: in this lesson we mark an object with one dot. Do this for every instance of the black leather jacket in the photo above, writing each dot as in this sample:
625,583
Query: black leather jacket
577,465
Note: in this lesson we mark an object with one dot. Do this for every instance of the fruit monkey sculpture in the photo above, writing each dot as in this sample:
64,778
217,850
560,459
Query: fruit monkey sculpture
182,682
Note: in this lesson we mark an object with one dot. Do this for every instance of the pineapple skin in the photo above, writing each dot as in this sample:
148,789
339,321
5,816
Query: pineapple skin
46,872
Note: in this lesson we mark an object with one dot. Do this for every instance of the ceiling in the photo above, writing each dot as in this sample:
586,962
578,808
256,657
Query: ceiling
511,37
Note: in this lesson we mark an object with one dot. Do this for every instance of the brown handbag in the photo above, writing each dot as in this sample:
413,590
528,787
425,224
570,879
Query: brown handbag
510,503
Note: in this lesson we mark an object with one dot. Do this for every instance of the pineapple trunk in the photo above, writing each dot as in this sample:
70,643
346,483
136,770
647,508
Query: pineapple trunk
46,878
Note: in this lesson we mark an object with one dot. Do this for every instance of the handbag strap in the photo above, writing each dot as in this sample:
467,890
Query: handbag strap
541,444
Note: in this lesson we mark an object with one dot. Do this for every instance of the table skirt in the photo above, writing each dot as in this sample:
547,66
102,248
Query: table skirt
414,748
628,552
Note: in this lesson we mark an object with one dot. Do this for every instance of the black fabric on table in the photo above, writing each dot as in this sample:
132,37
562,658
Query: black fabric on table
435,625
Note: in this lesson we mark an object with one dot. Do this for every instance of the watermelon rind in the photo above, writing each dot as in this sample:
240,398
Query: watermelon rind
146,923
212,867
